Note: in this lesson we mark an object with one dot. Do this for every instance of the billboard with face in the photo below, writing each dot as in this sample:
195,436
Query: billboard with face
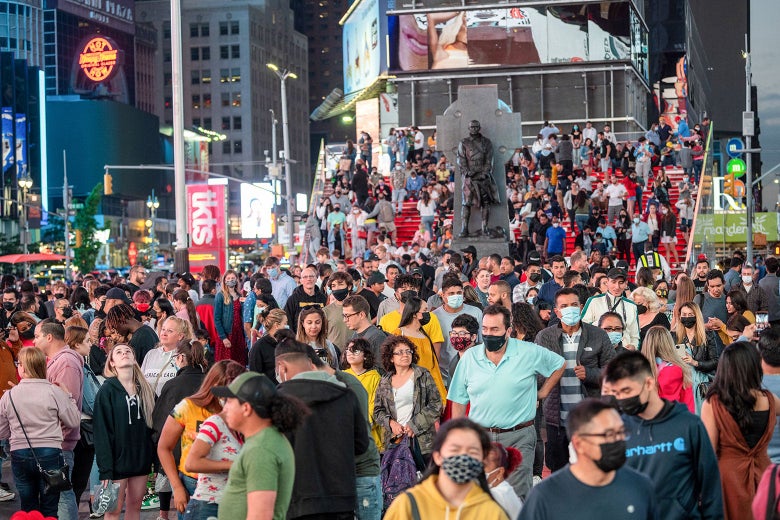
257,215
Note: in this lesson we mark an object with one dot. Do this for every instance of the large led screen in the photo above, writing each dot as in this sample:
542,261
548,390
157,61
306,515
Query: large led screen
363,45
257,217
508,37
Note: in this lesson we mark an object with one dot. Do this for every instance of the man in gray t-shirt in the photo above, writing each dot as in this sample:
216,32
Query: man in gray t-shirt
357,317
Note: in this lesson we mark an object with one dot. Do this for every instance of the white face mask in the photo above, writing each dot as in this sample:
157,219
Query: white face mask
747,280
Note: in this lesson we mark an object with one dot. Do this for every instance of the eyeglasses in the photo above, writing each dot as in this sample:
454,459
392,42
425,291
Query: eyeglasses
609,435
613,329
459,334
402,353
354,351
348,316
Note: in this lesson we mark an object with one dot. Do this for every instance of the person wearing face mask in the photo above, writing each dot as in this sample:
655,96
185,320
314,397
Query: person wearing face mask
597,484
702,349
463,335
282,285
499,464
453,307
640,234
454,485
649,310
756,297
612,324
614,300
555,239
339,288
668,443
587,350
499,382
533,280
414,317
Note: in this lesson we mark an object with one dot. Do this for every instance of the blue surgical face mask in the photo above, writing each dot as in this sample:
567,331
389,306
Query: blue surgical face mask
273,272
615,337
455,301
570,316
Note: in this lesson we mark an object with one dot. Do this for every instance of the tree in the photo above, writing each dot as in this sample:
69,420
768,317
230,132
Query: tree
84,257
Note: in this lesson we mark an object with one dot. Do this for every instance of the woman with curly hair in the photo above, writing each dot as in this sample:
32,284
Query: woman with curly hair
358,360
407,402
500,462
525,322
313,330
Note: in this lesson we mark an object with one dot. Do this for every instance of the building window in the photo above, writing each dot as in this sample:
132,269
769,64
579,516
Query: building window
223,28
236,122
168,102
226,147
196,122
195,77
233,27
238,146
204,29
194,30
196,101
225,123
207,125
167,79
207,100
236,99
205,76
167,56
194,53
166,30
225,99
235,75
224,75
205,53
235,51
224,52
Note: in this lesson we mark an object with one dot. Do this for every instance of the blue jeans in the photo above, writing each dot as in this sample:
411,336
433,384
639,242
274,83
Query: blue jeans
369,498
428,223
189,484
581,220
200,510
29,481
68,509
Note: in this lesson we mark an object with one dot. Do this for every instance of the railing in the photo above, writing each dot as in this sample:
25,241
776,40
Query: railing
703,202
317,189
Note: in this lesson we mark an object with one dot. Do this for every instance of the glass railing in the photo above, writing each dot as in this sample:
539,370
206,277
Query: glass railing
701,242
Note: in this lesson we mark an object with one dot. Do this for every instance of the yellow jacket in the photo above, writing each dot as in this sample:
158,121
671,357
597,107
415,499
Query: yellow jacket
370,381
432,506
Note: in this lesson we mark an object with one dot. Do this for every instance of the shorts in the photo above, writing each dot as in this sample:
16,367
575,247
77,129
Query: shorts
389,226
667,239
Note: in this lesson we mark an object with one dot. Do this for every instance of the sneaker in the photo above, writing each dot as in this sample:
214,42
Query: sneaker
96,515
150,501
5,496
537,480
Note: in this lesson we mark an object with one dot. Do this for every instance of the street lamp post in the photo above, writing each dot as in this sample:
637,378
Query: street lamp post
152,203
25,183
283,74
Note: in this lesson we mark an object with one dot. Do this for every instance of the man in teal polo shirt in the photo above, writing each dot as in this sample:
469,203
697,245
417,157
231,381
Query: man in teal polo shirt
499,381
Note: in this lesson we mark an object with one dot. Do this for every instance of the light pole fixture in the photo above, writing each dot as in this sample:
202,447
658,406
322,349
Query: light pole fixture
152,203
283,75
25,183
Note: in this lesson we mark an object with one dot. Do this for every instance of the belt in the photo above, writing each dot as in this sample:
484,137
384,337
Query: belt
520,426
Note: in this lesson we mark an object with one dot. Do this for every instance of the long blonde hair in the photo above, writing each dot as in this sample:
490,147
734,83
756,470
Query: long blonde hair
699,334
144,389
658,343
225,289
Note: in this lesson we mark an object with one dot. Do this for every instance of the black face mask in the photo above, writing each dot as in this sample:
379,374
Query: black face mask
641,309
613,456
688,322
493,343
632,405
535,277
67,312
426,318
340,294
59,296
9,306
28,334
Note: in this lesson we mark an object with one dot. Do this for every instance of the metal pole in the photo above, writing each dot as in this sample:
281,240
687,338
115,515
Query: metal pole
66,203
287,176
748,162
274,122
181,259
24,229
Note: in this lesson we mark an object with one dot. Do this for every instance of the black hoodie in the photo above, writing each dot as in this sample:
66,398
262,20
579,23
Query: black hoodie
123,441
325,445
299,300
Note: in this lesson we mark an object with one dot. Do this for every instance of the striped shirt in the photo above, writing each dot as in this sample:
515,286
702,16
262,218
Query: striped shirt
571,386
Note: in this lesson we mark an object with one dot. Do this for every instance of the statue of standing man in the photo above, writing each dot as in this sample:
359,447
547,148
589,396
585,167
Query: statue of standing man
475,161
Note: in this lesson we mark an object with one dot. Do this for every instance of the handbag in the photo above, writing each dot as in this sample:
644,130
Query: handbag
55,480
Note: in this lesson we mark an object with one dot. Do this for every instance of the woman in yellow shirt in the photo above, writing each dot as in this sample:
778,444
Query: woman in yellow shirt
358,360
414,317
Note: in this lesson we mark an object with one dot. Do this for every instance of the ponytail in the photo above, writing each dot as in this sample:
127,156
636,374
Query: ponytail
194,352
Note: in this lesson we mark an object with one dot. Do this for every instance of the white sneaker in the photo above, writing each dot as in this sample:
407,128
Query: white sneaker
537,480
5,496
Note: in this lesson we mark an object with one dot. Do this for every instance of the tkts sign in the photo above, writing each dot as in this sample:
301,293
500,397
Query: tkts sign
206,226
99,59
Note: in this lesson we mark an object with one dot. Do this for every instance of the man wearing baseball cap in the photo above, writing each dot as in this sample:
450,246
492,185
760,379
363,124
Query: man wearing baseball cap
262,477
615,301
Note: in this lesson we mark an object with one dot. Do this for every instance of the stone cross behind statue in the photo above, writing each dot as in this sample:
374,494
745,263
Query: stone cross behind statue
478,133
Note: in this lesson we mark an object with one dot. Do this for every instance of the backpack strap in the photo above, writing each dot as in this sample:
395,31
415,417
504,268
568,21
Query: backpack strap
772,499
416,510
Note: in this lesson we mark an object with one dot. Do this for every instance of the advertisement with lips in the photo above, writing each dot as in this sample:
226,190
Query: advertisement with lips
509,37
206,226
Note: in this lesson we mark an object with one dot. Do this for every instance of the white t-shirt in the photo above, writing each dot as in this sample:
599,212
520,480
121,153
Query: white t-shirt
507,498
419,140
224,447
404,402
155,362
615,192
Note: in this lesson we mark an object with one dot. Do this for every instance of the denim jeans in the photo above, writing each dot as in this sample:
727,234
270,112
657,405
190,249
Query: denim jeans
428,223
189,484
29,481
68,509
200,510
397,198
369,498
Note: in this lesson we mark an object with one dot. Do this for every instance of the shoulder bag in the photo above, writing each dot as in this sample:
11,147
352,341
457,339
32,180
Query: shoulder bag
56,480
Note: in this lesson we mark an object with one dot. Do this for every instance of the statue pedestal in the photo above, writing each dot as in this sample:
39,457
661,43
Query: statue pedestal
502,127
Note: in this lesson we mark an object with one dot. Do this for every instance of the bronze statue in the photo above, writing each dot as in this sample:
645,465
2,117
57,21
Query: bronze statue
475,161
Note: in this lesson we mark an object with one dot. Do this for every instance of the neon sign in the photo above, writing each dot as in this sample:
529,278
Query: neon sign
98,59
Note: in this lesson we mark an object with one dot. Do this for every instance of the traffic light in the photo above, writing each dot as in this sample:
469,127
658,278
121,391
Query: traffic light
729,187
78,238
108,188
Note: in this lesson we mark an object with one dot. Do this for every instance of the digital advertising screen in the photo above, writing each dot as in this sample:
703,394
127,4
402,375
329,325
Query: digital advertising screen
509,37
257,216
363,45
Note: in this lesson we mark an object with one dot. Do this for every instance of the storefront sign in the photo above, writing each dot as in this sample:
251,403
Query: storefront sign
99,58
732,227
206,226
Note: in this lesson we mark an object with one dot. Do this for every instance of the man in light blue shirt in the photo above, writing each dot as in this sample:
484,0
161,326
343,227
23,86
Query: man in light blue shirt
498,379
607,233
640,233
282,284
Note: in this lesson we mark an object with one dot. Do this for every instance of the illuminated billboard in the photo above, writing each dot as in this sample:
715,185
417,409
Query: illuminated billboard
206,226
363,35
510,37
98,59
257,216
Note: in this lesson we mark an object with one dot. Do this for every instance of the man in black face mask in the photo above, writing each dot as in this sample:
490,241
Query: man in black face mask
668,443
339,287
10,306
533,280
499,381
62,310
596,484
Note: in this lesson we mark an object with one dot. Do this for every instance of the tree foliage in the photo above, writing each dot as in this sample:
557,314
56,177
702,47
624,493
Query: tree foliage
84,257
